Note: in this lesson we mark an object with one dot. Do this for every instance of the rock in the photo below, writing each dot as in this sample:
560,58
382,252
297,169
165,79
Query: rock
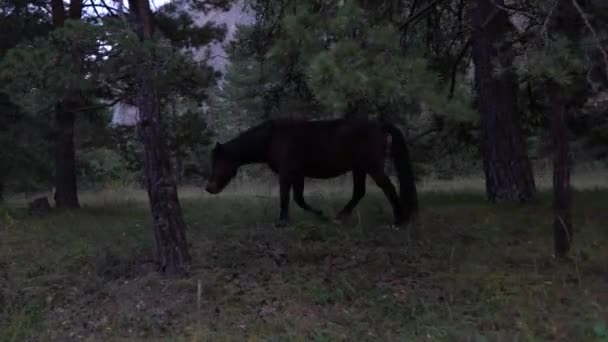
39,206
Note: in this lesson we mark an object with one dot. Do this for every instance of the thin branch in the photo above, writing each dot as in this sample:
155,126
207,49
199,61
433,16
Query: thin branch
425,133
513,9
219,56
415,18
111,10
544,31
594,33
419,14
462,53
95,9
96,107
404,34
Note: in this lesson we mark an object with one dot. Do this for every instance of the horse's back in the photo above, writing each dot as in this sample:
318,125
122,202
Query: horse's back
328,148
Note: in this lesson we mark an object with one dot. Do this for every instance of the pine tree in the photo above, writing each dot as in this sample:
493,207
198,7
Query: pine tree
22,150
158,72
563,59
507,168
335,60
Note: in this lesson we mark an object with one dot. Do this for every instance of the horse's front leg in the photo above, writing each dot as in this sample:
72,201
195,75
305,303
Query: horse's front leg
284,190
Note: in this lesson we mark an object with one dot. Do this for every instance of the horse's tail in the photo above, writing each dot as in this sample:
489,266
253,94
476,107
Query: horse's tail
401,158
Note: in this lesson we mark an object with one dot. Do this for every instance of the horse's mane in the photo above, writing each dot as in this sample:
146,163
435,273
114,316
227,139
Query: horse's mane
250,142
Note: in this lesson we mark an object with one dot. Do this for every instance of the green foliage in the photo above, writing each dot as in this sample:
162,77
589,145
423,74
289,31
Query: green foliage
100,166
336,60
22,20
189,131
126,143
186,133
37,73
557,61
494,278
601,331
179,27
25,156
24,153
83,63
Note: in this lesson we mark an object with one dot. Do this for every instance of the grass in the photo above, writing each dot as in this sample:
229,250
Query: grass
472,272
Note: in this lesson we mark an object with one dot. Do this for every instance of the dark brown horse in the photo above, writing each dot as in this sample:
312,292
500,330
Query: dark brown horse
295,149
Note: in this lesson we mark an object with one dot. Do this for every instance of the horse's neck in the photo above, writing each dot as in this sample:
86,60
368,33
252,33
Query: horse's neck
250,148
249,155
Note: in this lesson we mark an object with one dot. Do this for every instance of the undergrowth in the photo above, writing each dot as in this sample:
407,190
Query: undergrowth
469,270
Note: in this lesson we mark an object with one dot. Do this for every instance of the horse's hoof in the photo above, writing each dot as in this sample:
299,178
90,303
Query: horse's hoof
339,220
321,216
395,227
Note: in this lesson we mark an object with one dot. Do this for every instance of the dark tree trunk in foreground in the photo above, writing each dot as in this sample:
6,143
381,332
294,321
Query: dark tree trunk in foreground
566,21
66,191
169,226
562,192
507,168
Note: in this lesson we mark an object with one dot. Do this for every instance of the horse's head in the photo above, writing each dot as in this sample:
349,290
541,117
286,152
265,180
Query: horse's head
223,169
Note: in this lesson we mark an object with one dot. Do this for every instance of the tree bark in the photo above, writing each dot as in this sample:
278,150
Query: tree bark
562,192
507,168
179,167
172,247
66,189
66,193
568,22
177,154
169,227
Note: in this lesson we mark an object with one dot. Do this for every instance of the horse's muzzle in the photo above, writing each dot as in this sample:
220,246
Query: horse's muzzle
212,188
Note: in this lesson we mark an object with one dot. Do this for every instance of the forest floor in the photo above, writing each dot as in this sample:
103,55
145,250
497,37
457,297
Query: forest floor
469,271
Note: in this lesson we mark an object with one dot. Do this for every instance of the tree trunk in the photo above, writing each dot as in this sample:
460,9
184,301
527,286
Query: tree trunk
66,190
562,192
171,243
507,168
179,167
169,226
66,194
177,154
566,21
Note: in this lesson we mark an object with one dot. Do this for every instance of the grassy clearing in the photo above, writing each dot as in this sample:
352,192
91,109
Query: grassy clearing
473,270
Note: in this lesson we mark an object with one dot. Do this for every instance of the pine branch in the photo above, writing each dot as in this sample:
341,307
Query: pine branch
97,107
513,9
460,56
544,31
594,33
416,17
413,18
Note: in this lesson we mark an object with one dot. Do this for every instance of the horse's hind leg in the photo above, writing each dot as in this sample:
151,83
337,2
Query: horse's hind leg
388,188
358,193
284,189
298,197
